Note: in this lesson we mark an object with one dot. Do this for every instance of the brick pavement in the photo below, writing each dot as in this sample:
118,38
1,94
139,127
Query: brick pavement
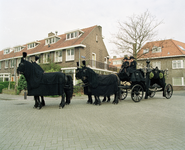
156,124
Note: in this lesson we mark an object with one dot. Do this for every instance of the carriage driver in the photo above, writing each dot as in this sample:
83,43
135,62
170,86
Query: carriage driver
125,65
133,63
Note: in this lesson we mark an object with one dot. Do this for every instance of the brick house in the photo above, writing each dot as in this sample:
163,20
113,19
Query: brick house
65,50
166,54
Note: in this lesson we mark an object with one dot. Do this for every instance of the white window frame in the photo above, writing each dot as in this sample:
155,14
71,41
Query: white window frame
6,64
155,64
182,81
145,50
156,49
72,35
45,58
18,61
12,63
6,51
70,57
175,64
58,59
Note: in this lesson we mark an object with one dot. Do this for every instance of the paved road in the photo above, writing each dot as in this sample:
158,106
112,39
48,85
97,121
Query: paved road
153,124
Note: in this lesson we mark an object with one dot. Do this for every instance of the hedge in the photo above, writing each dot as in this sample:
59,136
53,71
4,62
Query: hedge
1,88
6,84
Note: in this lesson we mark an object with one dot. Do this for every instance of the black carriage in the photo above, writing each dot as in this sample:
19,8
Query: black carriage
146,80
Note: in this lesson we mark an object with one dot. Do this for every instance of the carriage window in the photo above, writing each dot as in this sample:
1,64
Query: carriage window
58,56
69,54
177,64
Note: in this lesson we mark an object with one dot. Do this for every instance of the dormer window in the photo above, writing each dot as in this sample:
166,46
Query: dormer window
182,48
73,34
146,50
156,49
51,40
7,51
18,48
32,45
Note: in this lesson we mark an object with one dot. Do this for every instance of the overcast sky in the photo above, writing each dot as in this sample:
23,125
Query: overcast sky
24,21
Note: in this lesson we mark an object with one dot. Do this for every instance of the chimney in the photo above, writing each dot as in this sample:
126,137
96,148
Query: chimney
51,34
56,32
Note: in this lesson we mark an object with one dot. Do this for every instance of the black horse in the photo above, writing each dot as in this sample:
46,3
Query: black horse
99,85
87,90
46,84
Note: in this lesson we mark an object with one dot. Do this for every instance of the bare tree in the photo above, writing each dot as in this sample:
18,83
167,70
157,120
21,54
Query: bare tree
135,32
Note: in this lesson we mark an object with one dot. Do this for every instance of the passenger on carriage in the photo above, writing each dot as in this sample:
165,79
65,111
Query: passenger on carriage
132,66
125,65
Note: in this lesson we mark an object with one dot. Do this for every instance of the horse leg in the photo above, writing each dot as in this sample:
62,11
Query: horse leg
104,99
108,98
115,98
39,103
89,101
36,103
97,100
67,98
62,104
42,101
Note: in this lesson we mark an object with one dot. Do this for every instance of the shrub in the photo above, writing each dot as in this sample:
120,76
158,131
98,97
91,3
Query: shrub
1,87
22,84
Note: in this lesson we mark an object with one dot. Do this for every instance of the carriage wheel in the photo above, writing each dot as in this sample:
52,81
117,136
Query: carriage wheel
168,91
137,93
152,94
124,93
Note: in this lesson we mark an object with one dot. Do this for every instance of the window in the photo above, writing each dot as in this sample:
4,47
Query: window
181,47
177,64
69,54
156,49
6,63
58,56
6,51
32,45
178,81
18,61
46,57
0,64
51,40
156,64
96,38
146,50
73,34
117,62
18,48
12,63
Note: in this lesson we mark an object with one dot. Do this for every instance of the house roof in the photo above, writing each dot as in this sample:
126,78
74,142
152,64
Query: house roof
62,43
169,48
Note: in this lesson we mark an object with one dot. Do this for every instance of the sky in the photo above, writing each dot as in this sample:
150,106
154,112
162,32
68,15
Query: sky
24,21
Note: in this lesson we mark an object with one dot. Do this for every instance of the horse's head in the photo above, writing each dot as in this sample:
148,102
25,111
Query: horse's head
21,68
